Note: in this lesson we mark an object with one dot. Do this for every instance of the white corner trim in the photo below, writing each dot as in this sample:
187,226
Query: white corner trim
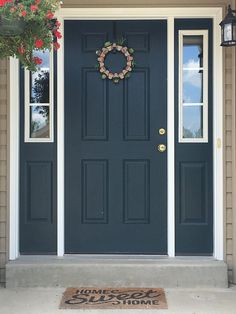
218,144
170,137
14,159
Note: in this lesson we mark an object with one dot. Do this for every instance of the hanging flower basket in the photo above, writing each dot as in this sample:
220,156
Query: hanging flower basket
27,26
11,27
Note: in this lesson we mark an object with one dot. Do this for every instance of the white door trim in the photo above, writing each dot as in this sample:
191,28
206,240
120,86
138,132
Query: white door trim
14,158
123,14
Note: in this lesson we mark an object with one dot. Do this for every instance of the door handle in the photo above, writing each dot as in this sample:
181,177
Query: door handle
161,148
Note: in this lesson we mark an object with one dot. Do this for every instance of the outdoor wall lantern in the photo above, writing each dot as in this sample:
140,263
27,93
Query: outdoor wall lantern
228,29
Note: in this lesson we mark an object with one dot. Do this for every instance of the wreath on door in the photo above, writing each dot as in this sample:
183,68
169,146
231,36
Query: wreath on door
113,48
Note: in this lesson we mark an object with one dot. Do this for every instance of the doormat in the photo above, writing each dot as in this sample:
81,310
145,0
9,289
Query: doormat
114,298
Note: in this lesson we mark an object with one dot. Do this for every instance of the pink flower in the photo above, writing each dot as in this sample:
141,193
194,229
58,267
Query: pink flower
57,34
37,60
56,45
38,43
21,50
23,13
3,2
34,7
49,15
58,24
13,9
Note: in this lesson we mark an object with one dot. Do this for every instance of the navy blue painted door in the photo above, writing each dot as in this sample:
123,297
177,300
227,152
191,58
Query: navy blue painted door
115,178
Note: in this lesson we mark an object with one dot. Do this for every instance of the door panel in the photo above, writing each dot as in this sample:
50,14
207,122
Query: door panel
115,178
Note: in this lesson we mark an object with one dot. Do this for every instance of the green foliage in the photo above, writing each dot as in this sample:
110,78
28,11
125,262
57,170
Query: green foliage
40,30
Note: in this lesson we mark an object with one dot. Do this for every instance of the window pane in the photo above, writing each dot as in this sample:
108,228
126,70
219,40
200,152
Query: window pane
39,81
39,121
192,86
192,51
192,122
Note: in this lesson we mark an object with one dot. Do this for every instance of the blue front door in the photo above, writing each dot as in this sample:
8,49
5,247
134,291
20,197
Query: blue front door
115,177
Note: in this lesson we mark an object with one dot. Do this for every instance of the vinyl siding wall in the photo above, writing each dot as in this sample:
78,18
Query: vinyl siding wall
229,122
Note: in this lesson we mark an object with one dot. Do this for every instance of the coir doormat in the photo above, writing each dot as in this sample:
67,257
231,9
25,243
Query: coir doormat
113,298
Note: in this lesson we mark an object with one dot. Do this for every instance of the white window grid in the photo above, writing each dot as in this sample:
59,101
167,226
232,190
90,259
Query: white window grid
204,68
28,104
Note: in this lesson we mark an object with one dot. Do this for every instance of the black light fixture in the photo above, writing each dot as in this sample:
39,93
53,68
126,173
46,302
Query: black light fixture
228,29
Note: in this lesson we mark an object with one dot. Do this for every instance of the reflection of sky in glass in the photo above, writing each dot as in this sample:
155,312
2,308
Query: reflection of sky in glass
192,79
192,122
191,50
192,86
191,56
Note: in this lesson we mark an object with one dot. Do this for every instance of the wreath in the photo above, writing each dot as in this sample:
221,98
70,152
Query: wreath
113,48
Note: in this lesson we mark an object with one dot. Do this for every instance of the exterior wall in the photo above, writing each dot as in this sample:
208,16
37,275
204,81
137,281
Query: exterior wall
229,160
229,140
233,141
3,168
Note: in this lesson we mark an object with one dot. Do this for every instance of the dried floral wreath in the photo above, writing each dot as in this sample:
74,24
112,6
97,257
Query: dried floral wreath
114,47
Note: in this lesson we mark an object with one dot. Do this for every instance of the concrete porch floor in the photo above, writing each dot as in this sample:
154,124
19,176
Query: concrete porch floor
180,301
116,271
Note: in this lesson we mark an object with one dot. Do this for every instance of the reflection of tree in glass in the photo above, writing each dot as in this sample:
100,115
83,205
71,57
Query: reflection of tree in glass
41,88
192,134
36,122
34,126
44,111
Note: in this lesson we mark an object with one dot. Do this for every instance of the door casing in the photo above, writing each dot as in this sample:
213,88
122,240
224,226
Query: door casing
122,14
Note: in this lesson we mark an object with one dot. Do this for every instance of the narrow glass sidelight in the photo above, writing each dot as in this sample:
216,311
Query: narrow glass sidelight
39,100
193,86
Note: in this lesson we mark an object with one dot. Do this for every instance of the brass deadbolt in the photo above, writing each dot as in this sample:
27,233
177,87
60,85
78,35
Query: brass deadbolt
162,131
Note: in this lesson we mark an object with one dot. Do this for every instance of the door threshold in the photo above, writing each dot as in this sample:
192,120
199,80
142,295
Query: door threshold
81,258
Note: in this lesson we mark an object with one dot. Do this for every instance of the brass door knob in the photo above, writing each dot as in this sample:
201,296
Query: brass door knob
161,148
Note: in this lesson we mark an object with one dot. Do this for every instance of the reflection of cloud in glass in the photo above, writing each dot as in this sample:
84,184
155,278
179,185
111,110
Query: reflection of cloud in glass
192,87
191,76
192,82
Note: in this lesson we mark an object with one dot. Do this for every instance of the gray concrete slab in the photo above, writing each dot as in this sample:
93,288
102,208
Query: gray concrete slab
180,301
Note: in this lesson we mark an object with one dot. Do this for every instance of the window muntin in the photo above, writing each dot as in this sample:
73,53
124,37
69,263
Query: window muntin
193,86
39,100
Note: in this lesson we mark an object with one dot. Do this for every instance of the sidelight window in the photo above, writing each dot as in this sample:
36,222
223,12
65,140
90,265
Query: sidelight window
193,86
39,100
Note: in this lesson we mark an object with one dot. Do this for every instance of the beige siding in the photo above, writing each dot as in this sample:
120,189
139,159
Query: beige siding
229,134
3,167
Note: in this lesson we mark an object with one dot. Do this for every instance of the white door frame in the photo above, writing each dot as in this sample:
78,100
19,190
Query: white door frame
126,14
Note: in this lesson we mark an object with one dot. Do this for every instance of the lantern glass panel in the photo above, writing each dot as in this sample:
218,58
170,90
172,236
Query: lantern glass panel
234,32
228,32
